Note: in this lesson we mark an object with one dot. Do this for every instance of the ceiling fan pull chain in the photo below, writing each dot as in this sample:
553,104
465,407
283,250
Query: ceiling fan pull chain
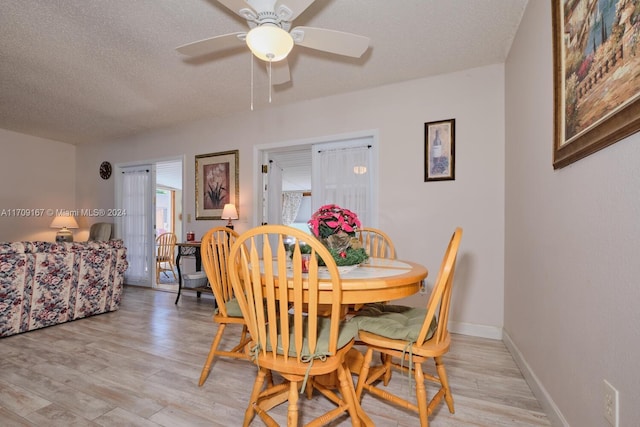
251,57
269,80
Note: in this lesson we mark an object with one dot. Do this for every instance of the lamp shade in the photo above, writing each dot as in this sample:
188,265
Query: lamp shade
229,211
269,42
64,222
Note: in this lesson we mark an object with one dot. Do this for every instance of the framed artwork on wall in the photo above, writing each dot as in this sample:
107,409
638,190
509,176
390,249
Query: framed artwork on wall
217,183
439,150
596,84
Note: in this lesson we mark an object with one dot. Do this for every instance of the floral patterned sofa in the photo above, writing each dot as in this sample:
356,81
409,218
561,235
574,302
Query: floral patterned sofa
45,283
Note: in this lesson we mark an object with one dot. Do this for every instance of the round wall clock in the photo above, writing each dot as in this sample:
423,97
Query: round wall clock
105,170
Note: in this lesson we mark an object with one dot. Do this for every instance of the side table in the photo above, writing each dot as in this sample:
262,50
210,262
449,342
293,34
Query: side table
189,249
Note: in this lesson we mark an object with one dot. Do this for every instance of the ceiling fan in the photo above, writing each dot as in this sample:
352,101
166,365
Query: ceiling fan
270,37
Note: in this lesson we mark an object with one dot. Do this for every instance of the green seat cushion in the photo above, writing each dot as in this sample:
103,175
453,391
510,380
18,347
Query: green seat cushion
233,308
393,321
348,331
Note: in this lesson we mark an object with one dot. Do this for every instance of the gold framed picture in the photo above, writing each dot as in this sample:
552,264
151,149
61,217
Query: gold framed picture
596,84
217,183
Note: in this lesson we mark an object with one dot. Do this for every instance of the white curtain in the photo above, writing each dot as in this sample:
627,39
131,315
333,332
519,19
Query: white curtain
342,176
291,201
136,196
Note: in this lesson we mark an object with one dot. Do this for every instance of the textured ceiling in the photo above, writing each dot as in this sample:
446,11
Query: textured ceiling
84,71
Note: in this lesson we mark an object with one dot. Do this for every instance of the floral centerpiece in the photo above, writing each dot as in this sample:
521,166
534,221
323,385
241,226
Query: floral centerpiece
336,227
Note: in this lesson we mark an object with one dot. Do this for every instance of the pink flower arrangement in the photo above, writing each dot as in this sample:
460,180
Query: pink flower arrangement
336,227
332,219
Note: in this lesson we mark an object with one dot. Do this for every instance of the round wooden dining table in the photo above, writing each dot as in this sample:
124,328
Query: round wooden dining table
376,280
380,279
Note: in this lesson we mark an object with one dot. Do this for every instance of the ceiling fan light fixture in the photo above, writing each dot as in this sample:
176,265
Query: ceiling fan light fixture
269,42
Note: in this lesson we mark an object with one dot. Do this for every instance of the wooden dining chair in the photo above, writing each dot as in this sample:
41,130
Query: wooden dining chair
414,336
376,242
165,255
288,335
214,250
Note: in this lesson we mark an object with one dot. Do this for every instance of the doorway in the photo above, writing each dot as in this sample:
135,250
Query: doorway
295,167
168,213
151,193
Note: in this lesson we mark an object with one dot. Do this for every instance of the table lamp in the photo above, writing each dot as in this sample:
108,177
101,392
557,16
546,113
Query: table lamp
64,223
229,212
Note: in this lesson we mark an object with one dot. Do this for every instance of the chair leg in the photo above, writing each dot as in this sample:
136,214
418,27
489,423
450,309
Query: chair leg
444,380
243,334
364,373
421,396
309,389
292,411
269,377
346,388
212,353
253,399
386,361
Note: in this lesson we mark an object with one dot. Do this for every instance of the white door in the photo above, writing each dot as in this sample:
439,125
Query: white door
344,173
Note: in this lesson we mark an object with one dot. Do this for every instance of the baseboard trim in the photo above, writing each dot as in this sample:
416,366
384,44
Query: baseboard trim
548,405
474,330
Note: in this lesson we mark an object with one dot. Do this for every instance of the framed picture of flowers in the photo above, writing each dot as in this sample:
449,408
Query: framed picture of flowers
439,150
216,183
595,79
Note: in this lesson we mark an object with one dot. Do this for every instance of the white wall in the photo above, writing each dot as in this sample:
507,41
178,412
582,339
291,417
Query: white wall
571,276
35,174
419,216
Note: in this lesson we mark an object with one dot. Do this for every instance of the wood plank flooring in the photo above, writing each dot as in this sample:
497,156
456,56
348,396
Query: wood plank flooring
139,366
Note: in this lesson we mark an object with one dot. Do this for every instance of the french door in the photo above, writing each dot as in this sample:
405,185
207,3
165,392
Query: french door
344,171
135,196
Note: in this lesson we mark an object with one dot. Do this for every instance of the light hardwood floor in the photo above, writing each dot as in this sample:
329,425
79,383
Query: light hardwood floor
139,366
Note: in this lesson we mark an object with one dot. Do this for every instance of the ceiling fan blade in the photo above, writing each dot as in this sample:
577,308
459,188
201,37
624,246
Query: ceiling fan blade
235,5
213,44
332,41
296,7
279,72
